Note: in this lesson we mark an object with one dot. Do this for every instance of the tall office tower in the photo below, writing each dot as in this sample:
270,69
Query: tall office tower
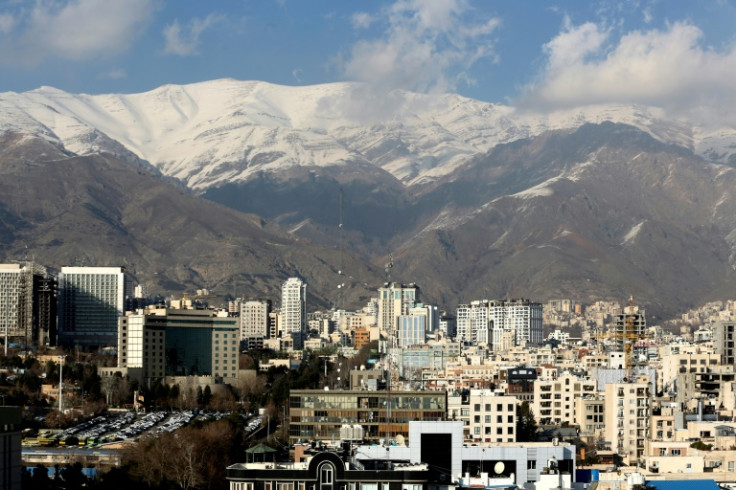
254,319
395,300
27,312
91,299
294,310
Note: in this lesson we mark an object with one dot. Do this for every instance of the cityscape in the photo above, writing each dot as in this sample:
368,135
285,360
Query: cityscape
389,245
515,392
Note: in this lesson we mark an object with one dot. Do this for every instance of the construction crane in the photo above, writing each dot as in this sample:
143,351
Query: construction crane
630,337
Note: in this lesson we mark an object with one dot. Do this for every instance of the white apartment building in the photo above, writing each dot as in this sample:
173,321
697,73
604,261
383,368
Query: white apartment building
254,319
500,324
91,299
487,416
294,310
394,300
554,399
627,418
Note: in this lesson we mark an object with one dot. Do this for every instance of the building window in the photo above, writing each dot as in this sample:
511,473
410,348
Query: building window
325,474
531,464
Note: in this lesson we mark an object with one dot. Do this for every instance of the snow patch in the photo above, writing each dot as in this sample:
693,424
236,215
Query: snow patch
539,190
633,232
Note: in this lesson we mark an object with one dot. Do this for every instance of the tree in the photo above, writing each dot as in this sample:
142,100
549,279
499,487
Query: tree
73,476
526,424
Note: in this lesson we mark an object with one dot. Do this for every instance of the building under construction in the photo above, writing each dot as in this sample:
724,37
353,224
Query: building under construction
27,304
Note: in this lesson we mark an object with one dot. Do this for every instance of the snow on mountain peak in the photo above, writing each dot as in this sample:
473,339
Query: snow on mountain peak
210,133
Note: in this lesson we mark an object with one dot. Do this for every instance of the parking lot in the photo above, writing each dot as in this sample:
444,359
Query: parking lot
129,426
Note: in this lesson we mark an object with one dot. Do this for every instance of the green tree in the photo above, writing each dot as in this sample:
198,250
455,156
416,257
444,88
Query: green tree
526,425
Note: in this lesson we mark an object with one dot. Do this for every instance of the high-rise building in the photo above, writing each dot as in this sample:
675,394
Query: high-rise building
499,323
178,342
27,303
91,299
294,310
394,300
724,341
520,316
630,322
254,319
627,418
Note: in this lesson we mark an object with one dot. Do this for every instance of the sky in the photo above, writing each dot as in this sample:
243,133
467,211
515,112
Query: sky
676,54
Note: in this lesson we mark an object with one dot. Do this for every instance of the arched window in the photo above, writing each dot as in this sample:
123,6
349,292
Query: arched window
326,474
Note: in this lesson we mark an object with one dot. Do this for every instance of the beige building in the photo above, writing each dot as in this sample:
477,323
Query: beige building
627,418
590,417
254,319
488,417
673,457
554,400
675,364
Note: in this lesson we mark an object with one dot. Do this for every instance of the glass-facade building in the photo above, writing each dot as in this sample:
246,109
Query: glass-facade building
318,414
173,342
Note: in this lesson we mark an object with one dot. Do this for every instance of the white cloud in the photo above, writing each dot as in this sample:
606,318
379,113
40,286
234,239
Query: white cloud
7,22
425,45
362,20
669,68
74,29
184,41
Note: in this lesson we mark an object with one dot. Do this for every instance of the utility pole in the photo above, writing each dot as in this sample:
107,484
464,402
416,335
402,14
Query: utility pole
61,382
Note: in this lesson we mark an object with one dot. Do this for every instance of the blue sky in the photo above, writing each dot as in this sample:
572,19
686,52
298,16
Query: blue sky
679,55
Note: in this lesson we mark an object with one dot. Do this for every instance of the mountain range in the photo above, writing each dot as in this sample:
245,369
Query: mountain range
236,185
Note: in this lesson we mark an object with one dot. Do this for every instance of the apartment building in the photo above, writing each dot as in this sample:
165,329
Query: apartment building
554,400
487,416
500,324
627,418
254,319
590,416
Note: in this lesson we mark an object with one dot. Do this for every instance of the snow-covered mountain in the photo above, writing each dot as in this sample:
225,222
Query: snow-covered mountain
224,131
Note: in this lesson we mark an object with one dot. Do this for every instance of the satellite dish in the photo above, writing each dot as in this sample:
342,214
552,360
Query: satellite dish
498,468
